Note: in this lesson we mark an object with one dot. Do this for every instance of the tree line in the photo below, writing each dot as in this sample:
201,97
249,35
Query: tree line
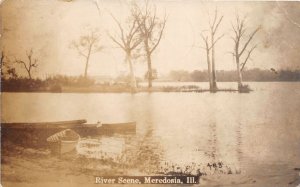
141,34
255,75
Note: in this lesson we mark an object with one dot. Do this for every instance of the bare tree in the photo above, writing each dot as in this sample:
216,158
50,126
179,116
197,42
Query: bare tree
128,40
30,64
241,43
208,47
151,29
86,46
213,29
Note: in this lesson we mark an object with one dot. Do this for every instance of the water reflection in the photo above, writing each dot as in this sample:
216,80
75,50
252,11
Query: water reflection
212,142
148,151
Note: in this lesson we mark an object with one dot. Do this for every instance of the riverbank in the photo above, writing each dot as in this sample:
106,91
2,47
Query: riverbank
37,167
23,166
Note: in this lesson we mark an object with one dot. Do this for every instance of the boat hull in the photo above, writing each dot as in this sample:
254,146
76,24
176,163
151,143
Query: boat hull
35,134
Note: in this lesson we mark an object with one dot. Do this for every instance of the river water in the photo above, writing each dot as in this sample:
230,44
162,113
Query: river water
243,131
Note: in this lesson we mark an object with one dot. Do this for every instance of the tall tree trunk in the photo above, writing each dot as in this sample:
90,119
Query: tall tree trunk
86,66
29,74
149,63
214,81
87,62
149,70
239,74
132,76
209,69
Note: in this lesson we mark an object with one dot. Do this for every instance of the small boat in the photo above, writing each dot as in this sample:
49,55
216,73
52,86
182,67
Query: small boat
63,142
105,128
35,134
79,126
45,125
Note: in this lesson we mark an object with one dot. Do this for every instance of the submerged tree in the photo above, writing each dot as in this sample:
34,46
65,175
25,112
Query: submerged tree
207,50
128,40
28,65
151,29
241,44
86,46
213,29
210,41
208,47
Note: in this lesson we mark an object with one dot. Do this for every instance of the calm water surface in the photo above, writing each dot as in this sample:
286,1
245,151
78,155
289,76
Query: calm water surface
244,131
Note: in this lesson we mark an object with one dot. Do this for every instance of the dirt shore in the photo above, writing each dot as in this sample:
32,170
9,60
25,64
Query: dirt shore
37,167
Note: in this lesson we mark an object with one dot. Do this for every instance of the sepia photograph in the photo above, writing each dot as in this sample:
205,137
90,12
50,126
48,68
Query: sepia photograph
150,93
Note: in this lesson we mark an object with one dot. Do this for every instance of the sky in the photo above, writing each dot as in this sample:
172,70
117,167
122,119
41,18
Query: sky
49,27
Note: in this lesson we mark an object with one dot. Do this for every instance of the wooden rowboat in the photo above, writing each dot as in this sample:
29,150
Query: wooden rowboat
77,125
35,134
43,125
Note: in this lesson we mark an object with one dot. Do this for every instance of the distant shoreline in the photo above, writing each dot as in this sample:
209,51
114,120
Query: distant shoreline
102,88
139,90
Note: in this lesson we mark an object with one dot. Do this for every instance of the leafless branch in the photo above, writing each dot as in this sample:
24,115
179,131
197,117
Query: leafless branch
220,20
248,41
97,6
248,56
234,29
120,27
160,35
114,40
205,39
32,63
79,50
217,40
214,20
129,39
